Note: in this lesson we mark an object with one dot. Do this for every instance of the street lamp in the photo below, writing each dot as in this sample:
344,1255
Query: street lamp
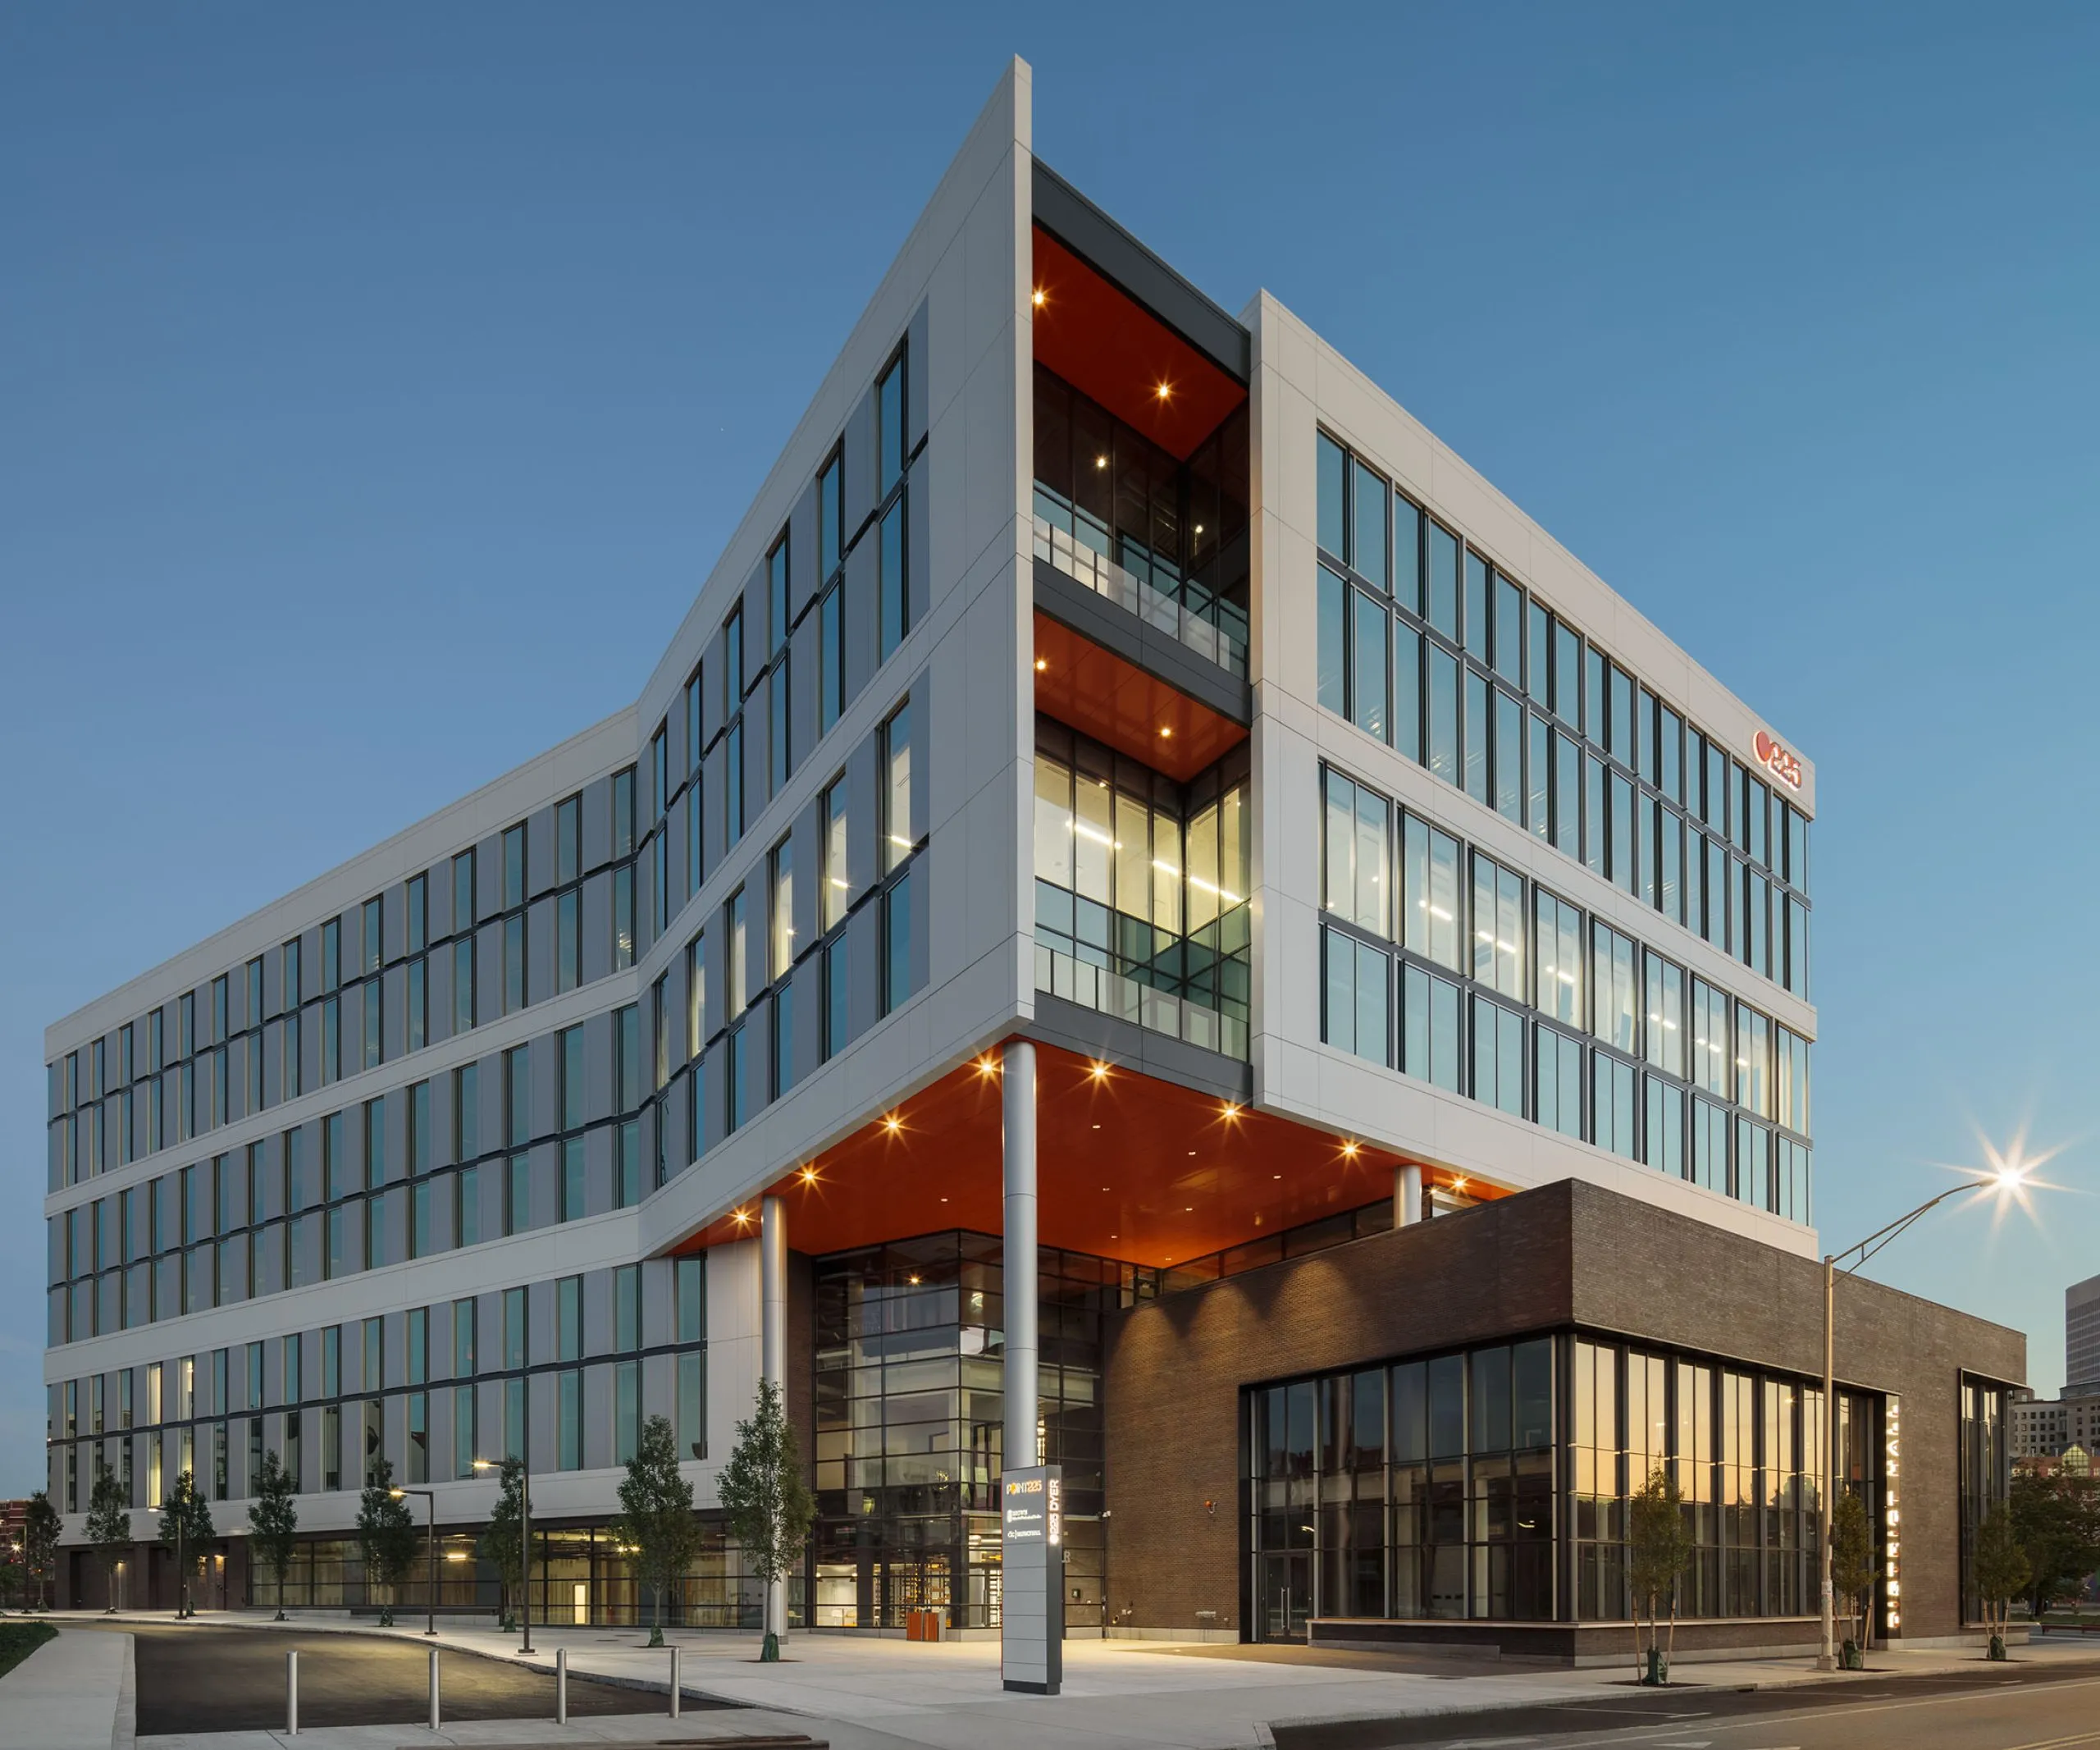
524,1542
2005,1178
430,1601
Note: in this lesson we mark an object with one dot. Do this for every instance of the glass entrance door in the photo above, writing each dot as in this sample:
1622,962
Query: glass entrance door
1285,1594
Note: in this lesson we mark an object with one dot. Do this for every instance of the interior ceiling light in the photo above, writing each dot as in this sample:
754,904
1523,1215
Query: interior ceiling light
1099,1070
1165,731
1231,1110
1349,1151
1039,297
1041,663
1164,391
1458,1184
809,1176
892,1123
743,1218
1101,461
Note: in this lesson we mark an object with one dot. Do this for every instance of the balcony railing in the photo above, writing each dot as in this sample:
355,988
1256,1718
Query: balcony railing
1104,577
1110,993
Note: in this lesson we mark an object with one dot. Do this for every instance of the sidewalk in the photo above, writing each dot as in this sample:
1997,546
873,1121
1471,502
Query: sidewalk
72,1693
863,1693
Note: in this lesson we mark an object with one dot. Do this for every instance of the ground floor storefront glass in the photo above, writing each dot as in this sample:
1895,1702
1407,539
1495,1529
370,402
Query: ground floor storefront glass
579,1575
1493,1483
910,1347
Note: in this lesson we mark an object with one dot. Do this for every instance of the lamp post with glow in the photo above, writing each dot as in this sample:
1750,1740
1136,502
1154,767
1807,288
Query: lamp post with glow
431,1601
524,1542
2003,1180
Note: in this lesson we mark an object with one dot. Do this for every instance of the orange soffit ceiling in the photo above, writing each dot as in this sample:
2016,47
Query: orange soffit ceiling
1128,1166
1095,692
1107,345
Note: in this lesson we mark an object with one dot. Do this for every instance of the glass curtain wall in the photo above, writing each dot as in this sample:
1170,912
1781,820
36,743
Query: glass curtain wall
1986,1475
1141,905
1180,528
909,1342
1424,1489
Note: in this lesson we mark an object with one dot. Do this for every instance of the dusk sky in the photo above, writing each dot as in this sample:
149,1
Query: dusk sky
377,385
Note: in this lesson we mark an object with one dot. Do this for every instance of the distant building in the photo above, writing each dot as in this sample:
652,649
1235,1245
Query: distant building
2048,1428
2082,1336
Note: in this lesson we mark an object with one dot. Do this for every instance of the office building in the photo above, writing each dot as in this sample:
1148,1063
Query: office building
1146,912
2082,1336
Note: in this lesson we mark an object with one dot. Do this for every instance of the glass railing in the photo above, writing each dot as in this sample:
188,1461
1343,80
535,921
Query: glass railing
1193,987
1214,639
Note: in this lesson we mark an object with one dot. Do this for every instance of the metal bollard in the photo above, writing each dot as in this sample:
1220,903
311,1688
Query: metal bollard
675,1682
291,1693
561,1686
433,1688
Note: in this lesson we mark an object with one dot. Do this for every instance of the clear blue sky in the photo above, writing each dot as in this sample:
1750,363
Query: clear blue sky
376,386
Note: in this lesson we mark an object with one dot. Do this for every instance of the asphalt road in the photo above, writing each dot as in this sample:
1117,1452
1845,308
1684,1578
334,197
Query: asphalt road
207,1679
2006,1710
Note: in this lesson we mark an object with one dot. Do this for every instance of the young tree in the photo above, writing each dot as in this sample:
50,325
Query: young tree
656,1515
109,1526
187,1531
40,1531
1852,1570
770,1506
273,1521
501,1544
1658,1546
10,1576
386,1536
2002,1570
2056,1518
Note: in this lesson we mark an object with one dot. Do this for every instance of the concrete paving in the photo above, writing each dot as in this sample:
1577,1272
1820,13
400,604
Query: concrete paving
864,1693
72,1693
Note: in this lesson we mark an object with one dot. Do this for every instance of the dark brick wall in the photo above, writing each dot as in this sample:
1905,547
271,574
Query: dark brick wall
1565,1254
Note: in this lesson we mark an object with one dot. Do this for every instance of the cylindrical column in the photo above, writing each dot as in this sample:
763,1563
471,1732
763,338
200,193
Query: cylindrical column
1017,1095
561,1686
772,1350
291,1693
433,1688
1407,1195
676,1680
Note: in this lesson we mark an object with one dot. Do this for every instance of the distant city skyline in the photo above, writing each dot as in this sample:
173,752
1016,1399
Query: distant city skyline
321,325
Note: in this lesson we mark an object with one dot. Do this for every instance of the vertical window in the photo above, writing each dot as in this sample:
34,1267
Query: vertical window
782,933
1477,599
1443,580
623,812
1476,750
1498,1057
696,969
780,758
831,516
1498,929
1430,899
1369,690
418,924
1370,497
837,1014
1407,689
1538,775
568,839
897,944
418,994
462,892
1443,701
463,985
569,945
1357,1014
1429,1028
835,884
1611,986
513,963
623,916
736,967
732,782
1333,475
896,790
1333,634
890,425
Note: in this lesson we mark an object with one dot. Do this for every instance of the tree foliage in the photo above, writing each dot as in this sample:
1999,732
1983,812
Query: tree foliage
187,1531
1659,1545
770,1507
2056,1519
1852,1570
273,1521
41,1528
1999,1567
501,1544
109,1525
657,1520
386,1535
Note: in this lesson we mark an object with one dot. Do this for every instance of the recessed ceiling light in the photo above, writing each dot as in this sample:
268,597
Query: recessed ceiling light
1101,461
1039,298
1349,1151
1275,1175
1164,391
1165,732
892,1123
1041,665
1199,528
1188,1209
1192,1151
1231,1110
1098,1070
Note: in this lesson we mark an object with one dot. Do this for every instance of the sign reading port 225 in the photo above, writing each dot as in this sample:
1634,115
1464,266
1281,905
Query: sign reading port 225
1781,761
1032,1580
